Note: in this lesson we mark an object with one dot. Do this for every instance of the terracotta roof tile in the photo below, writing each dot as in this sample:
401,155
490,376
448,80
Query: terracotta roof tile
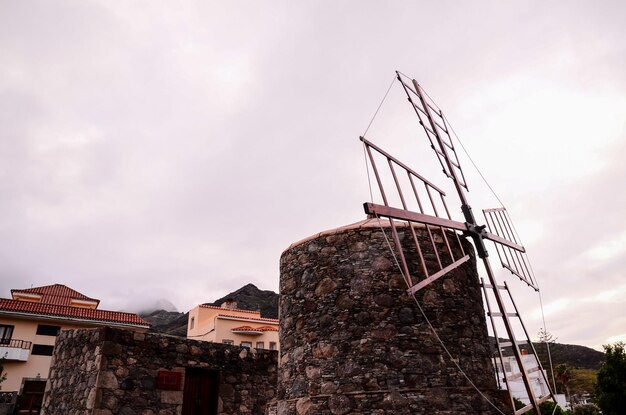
61,311
267,328
58,294
248,328
244,328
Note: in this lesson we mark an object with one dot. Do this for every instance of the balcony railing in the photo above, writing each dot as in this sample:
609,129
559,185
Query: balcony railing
8,397
20,344
15,349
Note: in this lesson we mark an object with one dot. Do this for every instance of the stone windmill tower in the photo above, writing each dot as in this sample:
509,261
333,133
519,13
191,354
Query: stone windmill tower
385,316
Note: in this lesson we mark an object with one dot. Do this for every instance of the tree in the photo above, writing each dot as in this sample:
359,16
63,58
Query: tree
611,386
544,336
549,408
3,374
545,340
587,409
564,376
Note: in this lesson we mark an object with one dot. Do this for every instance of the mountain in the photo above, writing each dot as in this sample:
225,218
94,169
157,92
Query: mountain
160,304
248,297
580,357
168,322
573,355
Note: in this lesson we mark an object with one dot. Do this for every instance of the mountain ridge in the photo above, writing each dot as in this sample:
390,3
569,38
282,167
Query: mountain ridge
249,297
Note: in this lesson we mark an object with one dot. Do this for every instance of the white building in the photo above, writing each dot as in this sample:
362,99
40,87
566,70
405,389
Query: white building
537,379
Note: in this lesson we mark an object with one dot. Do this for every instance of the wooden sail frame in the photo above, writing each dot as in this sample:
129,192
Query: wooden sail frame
498,229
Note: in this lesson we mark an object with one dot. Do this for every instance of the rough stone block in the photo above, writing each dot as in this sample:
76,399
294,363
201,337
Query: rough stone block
173,397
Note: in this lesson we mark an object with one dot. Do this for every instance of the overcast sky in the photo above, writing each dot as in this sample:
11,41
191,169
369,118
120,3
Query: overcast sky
172,150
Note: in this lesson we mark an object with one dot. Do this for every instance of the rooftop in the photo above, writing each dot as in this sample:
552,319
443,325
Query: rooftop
71,313
58,294
60,301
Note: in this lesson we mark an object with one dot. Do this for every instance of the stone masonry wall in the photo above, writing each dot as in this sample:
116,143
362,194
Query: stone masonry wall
113,371
354,342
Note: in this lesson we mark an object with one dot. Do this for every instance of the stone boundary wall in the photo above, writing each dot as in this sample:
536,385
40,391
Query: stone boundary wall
114,371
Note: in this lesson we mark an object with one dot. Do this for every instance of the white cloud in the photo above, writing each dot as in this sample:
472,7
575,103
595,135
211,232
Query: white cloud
615,339
609,249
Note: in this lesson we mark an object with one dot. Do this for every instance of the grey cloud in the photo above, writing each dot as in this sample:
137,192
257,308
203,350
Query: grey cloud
173,151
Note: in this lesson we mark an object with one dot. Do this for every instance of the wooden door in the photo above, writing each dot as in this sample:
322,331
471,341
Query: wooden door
32,396
201,392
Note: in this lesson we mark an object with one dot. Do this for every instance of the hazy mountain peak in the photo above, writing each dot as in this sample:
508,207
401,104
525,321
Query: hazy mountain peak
159,304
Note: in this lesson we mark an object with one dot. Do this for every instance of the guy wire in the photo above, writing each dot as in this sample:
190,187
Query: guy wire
379,105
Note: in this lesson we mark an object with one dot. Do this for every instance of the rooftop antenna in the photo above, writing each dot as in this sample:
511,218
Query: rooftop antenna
498,229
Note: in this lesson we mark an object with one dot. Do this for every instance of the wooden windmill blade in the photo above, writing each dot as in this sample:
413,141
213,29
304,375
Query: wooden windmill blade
514,260
425,195
431,118
511,253
500,231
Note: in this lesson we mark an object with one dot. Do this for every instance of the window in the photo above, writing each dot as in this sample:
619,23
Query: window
42,350
5,334
45,330
260,345
246,344
272,345
226,341
192,323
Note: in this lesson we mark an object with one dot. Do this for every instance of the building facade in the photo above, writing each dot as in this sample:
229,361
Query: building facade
29,324
229,325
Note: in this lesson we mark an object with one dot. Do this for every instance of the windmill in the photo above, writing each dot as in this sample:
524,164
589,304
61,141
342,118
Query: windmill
434,215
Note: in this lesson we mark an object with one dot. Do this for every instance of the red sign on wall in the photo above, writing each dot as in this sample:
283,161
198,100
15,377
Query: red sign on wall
169,380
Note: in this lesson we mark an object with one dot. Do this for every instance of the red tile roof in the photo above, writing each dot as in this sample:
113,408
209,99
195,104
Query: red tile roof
58,294
67,312
267,328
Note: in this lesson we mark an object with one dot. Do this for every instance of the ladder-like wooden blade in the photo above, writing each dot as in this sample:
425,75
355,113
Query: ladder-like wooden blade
512,255
431,118
416,233
441,273
530,406
527,364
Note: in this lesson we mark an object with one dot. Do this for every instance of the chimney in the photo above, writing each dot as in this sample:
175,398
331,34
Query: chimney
230,304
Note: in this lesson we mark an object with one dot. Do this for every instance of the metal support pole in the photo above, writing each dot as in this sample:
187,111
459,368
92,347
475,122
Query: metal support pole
509,330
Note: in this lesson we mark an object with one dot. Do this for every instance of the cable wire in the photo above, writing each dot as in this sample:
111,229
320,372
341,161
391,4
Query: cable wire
369,180
469,157
379,105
